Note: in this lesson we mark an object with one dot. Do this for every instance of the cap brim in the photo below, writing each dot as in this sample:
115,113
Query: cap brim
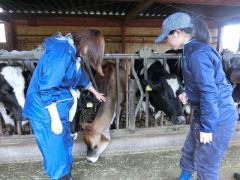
161,37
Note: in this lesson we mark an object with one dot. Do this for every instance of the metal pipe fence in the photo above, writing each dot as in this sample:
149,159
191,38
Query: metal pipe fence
132,107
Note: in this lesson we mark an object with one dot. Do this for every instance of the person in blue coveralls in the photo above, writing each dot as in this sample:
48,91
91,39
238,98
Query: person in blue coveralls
51,94
209,93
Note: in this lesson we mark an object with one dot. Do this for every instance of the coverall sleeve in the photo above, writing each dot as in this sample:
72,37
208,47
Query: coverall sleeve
202,67
52,73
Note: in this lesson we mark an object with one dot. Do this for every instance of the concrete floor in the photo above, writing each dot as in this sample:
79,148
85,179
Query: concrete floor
151,165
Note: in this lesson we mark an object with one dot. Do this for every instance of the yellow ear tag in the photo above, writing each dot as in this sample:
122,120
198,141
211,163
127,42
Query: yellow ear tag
89,105
148,88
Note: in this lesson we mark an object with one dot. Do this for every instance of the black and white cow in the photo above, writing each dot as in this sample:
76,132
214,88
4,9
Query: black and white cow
165,89
12,96
231,66
174,65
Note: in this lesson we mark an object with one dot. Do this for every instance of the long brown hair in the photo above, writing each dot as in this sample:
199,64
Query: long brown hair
94,39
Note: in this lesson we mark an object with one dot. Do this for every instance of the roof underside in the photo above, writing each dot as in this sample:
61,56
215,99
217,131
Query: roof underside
128,10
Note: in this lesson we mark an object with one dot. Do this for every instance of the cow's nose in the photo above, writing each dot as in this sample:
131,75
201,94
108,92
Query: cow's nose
91,152
180,120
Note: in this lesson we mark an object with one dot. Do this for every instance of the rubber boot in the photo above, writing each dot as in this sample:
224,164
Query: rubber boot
66,177
185,175
236,176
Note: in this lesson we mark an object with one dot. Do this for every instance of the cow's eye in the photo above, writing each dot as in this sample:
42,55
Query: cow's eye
95,147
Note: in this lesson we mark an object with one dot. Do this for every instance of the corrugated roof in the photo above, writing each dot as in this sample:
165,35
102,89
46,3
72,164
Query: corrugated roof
128,9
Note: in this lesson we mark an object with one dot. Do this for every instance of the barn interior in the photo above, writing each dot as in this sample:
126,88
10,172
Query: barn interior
127,25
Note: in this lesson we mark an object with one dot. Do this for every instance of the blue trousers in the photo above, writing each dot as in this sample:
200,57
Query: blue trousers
206,158
56,149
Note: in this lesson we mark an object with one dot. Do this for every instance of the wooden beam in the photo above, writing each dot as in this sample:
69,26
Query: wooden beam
100,21
225,14
66,21
137,10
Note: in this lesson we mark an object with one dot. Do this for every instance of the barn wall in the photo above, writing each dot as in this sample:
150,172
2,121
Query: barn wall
29,37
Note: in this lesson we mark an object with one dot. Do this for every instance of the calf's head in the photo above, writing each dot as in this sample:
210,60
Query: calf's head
96,143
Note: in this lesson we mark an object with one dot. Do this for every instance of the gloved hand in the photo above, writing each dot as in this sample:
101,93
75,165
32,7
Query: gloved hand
56,124
205,137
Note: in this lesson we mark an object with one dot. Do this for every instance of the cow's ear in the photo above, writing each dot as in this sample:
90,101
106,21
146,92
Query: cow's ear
99,70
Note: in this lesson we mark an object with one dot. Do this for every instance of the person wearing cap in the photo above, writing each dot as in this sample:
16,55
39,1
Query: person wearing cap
51,96
209,93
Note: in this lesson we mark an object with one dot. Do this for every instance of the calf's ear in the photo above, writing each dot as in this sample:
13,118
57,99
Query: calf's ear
99,70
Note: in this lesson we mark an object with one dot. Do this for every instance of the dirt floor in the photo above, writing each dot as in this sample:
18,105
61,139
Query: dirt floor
153,165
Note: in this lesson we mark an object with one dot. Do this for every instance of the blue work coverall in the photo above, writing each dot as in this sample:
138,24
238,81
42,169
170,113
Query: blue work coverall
210,95
57,72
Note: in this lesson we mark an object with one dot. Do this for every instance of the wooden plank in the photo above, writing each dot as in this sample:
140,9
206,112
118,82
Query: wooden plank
88,21
225,14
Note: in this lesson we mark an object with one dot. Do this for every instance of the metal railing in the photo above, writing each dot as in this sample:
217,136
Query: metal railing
132,108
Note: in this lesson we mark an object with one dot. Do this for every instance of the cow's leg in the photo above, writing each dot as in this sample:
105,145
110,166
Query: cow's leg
26,127
8,121
1,126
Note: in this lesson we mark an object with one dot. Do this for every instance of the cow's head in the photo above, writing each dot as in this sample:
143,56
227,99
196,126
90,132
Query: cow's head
96,143
235,70
12,90
164,97
231,65
165,88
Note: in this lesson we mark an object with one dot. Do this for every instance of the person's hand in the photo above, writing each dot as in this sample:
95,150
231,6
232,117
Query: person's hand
56,124
205,137
183,98
100,97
